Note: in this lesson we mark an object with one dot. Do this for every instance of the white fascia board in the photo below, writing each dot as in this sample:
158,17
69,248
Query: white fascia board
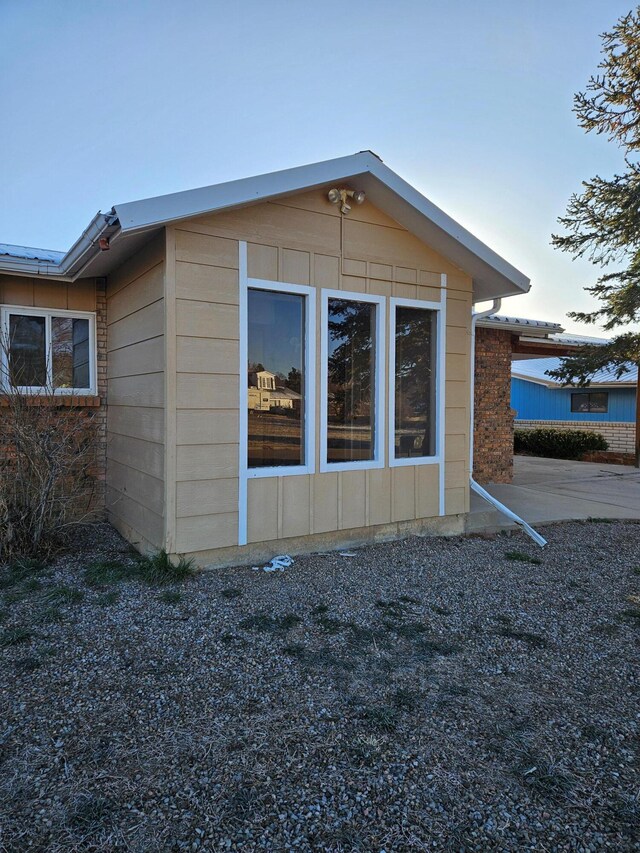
151,212
495,276
549,383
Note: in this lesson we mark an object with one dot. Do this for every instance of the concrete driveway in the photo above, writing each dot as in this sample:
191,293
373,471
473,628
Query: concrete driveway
546,490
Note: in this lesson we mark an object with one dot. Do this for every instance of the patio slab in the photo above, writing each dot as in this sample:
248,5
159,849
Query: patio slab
545,490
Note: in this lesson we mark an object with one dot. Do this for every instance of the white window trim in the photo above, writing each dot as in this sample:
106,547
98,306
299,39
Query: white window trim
379,380
247,283
440,309
6,311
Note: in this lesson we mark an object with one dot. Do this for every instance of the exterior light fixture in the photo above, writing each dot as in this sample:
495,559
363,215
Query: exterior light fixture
341,197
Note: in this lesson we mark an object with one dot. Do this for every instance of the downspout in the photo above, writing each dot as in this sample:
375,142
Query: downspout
476,487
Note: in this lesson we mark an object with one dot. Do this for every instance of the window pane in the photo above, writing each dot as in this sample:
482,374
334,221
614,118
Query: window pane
579,402
415,383
351,377
276,379
599,402
27,351
70,352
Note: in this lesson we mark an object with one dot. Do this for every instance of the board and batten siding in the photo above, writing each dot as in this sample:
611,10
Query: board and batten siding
136,396
299,240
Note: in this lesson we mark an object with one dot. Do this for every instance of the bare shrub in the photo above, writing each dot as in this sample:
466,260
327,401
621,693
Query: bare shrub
47,451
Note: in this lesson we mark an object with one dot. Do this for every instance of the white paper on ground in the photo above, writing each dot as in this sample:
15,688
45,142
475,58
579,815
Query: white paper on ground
279,563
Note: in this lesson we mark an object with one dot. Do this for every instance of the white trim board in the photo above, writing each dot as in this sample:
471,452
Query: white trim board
379,380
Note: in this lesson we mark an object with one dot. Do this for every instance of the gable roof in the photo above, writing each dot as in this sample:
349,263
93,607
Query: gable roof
129,225
534,370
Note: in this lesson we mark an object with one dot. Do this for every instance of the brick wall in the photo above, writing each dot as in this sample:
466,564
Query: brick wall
619,435
493,422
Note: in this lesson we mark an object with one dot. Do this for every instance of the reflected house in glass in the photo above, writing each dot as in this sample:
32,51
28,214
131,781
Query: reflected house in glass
278,373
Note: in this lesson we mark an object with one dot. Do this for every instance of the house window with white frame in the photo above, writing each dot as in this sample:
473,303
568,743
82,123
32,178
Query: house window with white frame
276,379
413,374
48,351
352,395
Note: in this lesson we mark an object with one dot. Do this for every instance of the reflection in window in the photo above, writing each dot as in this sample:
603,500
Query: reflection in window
27,351
350,384
276,347
415,382
593,402
70,352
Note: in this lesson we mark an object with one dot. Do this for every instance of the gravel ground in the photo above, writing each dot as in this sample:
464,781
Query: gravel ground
431,694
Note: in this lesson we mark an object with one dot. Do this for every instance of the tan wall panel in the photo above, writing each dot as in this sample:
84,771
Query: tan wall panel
427,490
458,341
389,245
262,261
81,295
207,497
379,487
145,390
458,313
127,515
207,283
50,294
354,267
141,358
456,447
206,531
205,426
326,271
404,291
206,249
139,422
296,266
207,391
406,275
137,485
354,284
144,260
44,293
147,456
456,500
404,498
262,509
325,502
457,421
352,499
456,474
144,324
274,225
207,319
207,355
457,365
457,393
295,506
207,461
148,288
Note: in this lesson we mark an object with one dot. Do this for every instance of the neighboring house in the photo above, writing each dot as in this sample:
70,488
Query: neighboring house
607,405
171,317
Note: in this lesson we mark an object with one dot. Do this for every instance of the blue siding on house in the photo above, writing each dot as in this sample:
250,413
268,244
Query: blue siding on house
534,402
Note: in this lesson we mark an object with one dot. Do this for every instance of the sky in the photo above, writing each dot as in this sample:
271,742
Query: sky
470,102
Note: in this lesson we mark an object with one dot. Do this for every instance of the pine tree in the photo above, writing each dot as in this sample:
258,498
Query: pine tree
602,223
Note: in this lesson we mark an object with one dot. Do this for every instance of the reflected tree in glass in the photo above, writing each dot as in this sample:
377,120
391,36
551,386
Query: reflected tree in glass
415,384
351,378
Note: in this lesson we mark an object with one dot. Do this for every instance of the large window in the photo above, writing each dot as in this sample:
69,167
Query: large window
352,380
276,379
592,402
48,351
413,377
